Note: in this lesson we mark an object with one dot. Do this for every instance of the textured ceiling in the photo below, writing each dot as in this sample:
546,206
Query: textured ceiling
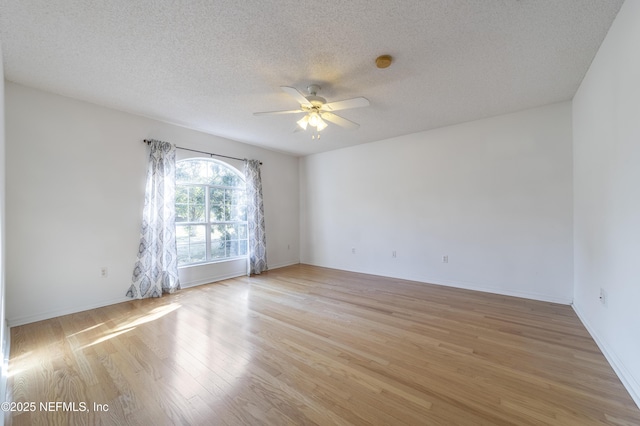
209,65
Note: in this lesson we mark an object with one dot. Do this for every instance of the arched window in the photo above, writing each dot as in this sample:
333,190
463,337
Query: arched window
211,214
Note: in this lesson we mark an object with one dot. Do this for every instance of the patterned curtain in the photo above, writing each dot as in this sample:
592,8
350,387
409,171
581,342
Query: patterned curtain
255,218
156,270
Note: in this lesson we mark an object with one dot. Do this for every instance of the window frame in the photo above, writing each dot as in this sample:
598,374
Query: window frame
208,224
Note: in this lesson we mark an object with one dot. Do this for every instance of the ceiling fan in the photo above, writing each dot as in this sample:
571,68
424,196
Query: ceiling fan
316,110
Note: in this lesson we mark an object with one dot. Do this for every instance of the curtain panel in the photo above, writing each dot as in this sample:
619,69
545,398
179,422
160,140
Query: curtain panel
255,218
156,269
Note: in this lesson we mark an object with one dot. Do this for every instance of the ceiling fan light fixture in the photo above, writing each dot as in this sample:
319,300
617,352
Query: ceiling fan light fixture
303,122
321,124
314,119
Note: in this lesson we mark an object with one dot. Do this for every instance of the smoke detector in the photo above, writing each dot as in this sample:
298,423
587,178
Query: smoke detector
383,61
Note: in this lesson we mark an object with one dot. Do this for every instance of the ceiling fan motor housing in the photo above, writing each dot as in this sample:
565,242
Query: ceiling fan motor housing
316,101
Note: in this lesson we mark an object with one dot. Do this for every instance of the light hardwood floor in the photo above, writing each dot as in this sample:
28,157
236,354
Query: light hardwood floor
307,345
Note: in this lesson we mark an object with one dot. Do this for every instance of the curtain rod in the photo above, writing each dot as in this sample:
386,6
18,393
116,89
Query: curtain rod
202,152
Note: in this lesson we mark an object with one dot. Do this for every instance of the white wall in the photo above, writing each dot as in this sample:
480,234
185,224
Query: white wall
494,195
606,128
4,331
75,192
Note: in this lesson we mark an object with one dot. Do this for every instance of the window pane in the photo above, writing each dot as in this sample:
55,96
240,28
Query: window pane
217,232
187,171
196,195
229,177
182,235
196,204
182,172
242,247
217,249
197,252
236,209
182,203
232,233
182,194
242,231
197,234
232,248
201,172
216,201
214,172
183,255
216,214
197,243
228,196
182,212
191,243
238,213
209,189
208,172
228,232
216,196
196,213
237,196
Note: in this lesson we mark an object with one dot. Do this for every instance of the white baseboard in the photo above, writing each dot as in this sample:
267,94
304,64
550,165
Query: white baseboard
210,280
27,319
628,381
512,293
467,286
216,278
284,264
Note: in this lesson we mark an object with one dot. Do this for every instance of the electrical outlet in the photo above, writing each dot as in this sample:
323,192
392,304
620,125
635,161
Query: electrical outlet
445,259
393,254
104,272
353,250
603,297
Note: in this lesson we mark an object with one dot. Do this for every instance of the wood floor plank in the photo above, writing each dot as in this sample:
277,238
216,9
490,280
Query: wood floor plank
308,345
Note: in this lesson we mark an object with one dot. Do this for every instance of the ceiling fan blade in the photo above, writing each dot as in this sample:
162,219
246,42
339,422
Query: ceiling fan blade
340,121
291,111
346,104
292,91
